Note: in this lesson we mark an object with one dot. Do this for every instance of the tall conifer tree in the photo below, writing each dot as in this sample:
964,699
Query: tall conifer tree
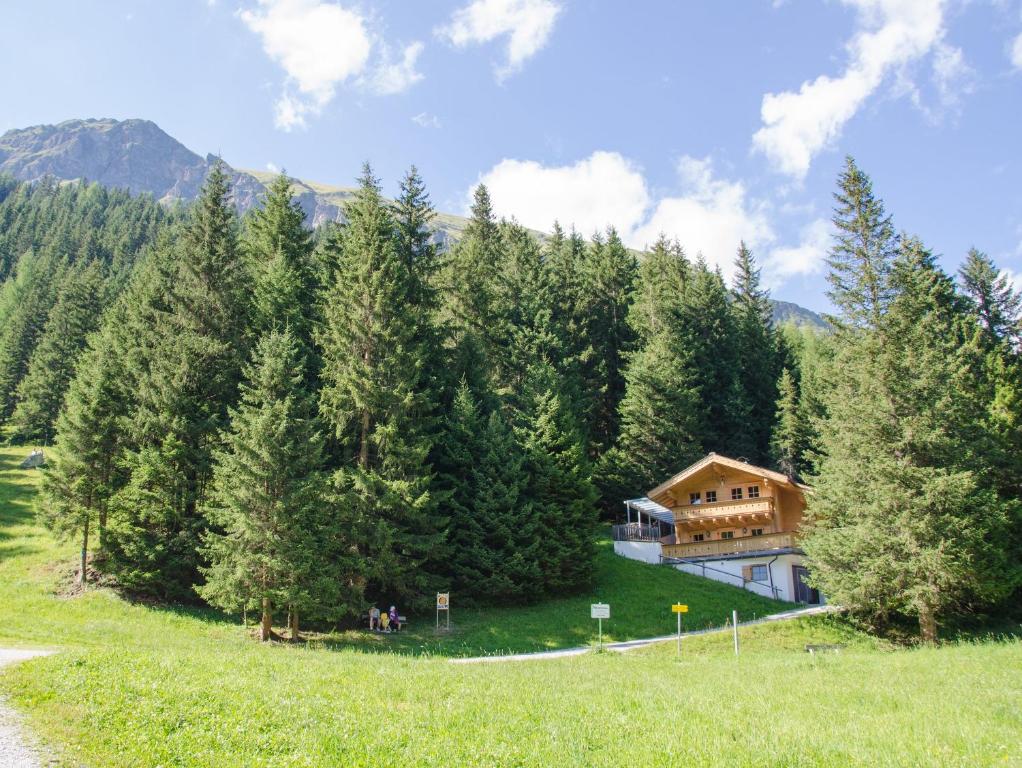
372,397
277,539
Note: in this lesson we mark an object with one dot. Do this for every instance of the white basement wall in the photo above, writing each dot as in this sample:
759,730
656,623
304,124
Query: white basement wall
726,571
644,551
730,572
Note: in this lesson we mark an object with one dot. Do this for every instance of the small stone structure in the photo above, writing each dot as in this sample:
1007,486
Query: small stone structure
34,459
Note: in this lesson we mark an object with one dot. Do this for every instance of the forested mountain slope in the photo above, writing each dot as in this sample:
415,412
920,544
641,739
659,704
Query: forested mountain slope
139,156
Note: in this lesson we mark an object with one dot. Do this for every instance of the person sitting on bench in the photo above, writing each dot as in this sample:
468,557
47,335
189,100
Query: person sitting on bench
395,620
374,619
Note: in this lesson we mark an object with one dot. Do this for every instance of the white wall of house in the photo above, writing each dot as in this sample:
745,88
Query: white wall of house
644,551
726,571
730,572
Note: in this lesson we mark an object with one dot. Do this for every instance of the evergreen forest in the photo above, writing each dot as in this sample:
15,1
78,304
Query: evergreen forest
274,419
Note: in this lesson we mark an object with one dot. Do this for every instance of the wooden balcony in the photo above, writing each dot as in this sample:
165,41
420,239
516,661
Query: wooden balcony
730,546
724,514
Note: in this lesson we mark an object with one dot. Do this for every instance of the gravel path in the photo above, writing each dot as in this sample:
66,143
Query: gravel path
16,748
628,645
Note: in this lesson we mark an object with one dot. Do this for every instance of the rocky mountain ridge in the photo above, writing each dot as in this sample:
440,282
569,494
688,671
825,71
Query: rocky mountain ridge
139,156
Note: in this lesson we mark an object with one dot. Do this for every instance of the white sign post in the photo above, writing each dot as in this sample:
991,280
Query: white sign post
600,611
443,603
679,608
734,625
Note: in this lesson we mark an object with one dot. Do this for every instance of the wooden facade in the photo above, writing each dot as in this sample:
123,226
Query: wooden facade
725,507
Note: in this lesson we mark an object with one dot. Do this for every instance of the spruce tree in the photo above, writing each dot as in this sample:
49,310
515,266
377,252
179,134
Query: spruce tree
864,249
924,536
190,339
757,354
83,473
993,301
709,329
661,421
51,366
560,488
372,398
279,246
608,276
790,439
277,540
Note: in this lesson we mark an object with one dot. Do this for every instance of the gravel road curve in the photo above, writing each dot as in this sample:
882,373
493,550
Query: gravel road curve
17,749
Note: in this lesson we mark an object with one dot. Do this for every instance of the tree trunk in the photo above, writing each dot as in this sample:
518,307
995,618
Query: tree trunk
82,577
293,624
927,624
266,628
363,454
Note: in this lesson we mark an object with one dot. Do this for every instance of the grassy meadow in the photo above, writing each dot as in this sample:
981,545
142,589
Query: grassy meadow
136,685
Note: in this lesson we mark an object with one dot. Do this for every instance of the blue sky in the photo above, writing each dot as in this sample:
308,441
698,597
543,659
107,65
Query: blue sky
711,121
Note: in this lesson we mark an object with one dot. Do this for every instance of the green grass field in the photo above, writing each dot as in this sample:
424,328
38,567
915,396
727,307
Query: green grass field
143,686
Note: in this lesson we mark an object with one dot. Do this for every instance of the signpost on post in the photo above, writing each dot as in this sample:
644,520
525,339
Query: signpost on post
734,626
679,608
600,611
443,603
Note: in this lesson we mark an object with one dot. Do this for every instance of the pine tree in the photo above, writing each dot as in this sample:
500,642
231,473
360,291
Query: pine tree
664,277
372,401
277,540
995,304
757,354
190,339
51,366
790,440
608,276
709,332
82,474
864,249
470,561
661,420
924,536
280,248
560,487
473,263
24,306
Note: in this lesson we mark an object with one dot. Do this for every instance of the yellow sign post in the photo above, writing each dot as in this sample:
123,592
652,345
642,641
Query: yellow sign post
679,608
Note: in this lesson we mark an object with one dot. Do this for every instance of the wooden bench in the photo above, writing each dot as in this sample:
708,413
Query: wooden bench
824,648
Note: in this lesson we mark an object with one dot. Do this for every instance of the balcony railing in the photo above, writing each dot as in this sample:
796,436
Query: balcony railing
764,504
636,532
730,546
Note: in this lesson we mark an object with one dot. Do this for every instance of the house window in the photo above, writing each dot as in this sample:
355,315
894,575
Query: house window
693,498
757,531
736,494
727,534
697,536
711,497
759,573
753,491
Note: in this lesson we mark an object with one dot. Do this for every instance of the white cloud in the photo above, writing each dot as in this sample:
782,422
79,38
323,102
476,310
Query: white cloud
319,45
426,120
394,77
706,214
806,258
603,189
1016,53
322,45
709,216
526,23
1013,277
272,167
890,34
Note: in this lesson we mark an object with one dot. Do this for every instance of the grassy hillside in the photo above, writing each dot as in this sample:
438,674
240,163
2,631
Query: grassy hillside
142,686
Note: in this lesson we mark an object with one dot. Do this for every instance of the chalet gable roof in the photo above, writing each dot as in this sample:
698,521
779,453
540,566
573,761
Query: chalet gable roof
723,461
